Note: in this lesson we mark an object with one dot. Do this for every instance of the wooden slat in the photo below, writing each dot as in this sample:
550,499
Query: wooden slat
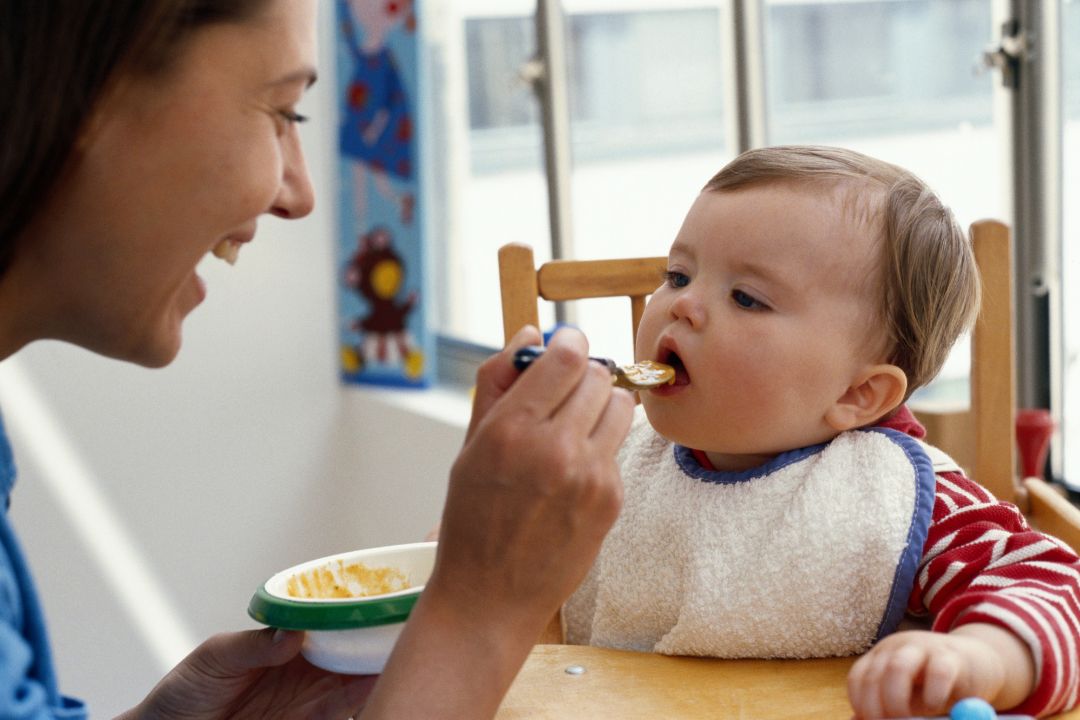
993,401
637,309
578,279
517,284
951,430
1053,514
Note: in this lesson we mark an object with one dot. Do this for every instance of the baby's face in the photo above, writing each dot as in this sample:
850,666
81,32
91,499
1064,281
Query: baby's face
767,315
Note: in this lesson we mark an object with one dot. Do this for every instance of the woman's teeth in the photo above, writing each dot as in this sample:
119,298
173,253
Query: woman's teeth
227,250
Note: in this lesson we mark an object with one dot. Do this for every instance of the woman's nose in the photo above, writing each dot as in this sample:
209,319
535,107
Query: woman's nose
296,197
687,307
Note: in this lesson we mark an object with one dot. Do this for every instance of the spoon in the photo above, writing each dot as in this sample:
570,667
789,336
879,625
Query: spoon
639,376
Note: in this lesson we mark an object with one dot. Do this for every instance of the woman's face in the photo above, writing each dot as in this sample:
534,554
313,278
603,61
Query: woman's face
168,169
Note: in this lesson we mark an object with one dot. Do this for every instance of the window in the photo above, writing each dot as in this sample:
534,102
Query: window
647,83
1070,44
650,121
650,86
895,80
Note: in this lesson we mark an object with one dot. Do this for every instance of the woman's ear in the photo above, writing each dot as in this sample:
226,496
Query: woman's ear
877,390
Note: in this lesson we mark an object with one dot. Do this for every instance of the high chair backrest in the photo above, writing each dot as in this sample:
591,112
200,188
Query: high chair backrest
980,436
523,285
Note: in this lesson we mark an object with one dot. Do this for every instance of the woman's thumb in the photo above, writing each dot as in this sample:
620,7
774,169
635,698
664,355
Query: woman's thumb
236,653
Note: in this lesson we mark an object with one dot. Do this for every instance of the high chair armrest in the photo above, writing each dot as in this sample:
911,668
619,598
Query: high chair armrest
1052,513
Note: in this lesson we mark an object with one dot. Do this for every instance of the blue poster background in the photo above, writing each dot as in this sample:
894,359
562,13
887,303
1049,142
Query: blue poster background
384,337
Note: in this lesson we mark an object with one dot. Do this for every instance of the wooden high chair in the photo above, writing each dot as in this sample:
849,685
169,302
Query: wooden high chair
570,681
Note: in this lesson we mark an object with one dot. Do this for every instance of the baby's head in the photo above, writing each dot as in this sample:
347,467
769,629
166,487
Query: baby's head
810,290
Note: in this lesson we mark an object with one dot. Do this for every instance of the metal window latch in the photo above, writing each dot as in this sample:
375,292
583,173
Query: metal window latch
533,72
1013,47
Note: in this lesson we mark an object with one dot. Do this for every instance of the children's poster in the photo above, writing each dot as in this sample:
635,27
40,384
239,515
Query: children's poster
384,336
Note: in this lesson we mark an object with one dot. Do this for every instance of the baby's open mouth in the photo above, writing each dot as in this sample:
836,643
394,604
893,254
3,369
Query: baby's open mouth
681,376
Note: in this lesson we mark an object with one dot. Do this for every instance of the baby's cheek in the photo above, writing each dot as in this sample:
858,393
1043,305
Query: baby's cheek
676,424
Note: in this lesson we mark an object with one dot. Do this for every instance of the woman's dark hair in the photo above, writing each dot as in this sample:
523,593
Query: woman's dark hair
57,58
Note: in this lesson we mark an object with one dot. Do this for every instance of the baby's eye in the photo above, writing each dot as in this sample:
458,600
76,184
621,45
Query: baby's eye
676,279
747,301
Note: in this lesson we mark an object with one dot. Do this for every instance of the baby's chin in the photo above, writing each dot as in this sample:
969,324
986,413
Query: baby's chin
740,452
667,422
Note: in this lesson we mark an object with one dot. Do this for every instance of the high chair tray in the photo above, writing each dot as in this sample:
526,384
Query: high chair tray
621,684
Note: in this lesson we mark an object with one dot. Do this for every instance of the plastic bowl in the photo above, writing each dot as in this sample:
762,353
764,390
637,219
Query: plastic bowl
348,635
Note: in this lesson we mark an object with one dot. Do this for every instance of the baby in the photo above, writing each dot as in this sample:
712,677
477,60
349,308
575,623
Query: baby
778,499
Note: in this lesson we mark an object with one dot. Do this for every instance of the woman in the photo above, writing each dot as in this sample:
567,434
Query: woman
124,116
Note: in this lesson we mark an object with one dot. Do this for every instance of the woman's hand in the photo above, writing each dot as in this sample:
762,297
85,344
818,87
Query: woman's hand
535,488
531,496
252,674
916,672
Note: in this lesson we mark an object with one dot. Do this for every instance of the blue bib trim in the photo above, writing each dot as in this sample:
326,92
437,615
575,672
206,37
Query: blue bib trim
684,456
921,515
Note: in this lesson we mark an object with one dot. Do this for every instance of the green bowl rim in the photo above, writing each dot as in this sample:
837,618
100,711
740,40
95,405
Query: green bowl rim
296,615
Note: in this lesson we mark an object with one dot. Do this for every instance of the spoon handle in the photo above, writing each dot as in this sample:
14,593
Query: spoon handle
524,357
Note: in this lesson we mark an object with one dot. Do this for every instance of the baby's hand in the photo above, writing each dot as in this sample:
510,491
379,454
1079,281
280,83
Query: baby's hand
916,672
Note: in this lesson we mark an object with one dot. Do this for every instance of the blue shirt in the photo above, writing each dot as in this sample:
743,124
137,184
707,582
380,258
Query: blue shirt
27,678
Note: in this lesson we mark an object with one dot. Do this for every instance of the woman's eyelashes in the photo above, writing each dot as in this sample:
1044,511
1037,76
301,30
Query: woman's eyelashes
285,119
291,116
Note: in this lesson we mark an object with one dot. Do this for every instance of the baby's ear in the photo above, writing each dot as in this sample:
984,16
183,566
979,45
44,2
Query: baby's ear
876,391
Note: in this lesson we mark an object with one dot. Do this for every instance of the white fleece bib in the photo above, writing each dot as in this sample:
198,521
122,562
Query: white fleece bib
810,555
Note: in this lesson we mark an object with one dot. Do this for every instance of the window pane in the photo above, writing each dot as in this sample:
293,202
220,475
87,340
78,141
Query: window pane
491,161
1070,44
646,86
647,123
895,80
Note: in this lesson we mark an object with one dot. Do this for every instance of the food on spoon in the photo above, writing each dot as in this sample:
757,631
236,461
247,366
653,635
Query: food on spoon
337,580
648,373
641,375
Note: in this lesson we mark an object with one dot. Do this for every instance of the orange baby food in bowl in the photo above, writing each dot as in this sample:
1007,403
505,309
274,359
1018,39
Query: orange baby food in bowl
337,579
352,605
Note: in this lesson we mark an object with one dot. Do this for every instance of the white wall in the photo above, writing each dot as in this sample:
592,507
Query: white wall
243,457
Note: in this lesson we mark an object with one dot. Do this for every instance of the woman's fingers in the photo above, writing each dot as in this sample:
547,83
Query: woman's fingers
585,403
610,430
553,377
498,373
235,653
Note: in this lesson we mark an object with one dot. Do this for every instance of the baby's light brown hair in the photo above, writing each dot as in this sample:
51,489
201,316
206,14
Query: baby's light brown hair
930,288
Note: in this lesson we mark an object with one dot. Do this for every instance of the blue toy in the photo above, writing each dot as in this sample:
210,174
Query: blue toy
972,709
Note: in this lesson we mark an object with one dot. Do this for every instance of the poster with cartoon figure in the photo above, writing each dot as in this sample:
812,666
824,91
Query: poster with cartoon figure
384,337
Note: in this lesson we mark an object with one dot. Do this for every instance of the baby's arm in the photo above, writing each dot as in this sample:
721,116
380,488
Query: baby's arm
917,672
983,566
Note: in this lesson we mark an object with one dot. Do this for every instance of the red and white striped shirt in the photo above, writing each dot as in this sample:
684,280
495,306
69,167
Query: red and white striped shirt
982,563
